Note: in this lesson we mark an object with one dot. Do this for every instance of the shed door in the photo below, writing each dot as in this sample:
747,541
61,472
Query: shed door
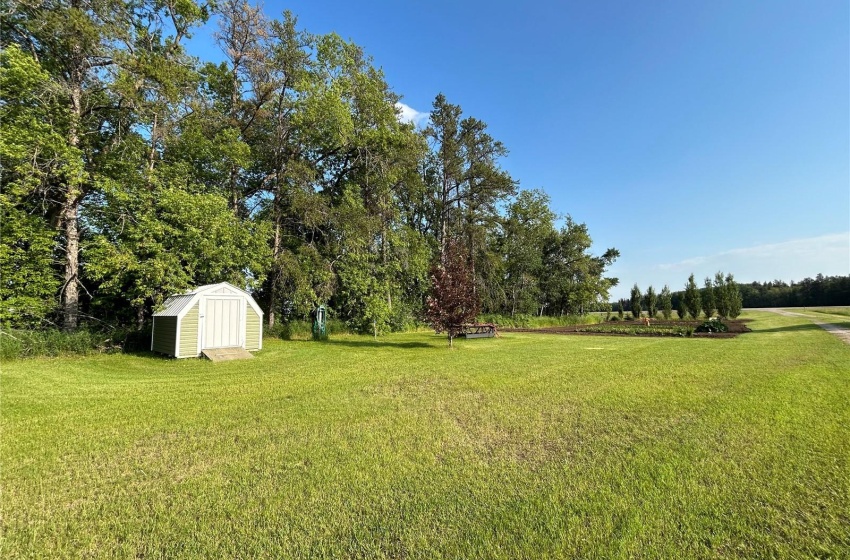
222,322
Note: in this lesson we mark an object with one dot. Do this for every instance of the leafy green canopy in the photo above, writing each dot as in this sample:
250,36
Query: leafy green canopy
133,171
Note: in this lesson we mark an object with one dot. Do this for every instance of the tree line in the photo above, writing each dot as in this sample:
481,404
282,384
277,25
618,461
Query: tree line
724,296
133,171
809,292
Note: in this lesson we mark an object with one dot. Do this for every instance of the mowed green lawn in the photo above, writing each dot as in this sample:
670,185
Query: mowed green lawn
524,446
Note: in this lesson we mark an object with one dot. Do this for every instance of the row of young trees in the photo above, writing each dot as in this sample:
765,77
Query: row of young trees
132,171
721,296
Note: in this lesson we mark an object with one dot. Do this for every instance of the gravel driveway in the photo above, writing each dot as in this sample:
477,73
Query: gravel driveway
841,332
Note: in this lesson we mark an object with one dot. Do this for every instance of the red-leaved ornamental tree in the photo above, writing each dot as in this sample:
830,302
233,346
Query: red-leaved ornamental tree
452,301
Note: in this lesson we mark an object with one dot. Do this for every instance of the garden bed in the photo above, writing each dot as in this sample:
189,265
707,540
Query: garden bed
637,328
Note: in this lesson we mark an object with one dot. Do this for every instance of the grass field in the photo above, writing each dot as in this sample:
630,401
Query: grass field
839,316
524,446
834,312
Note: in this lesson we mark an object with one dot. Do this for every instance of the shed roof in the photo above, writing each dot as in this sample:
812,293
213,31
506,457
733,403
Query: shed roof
176,305
221,287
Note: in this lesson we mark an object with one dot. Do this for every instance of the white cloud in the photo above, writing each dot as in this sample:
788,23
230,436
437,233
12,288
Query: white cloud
795,260
408,114
789,260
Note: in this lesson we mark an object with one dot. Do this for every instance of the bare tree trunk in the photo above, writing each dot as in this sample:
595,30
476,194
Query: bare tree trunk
444,219
70,290
276,249
140,316
70,296
152,153
472,260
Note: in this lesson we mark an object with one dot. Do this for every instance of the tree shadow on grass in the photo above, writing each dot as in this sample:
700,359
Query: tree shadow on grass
791,328
146,354
364,344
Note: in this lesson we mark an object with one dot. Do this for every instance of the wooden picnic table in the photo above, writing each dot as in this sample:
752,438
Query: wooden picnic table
479,330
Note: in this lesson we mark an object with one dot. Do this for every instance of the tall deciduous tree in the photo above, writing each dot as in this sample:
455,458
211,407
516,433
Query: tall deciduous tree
132,171
74,42
33,153
527,228
574,279
130,251
245,87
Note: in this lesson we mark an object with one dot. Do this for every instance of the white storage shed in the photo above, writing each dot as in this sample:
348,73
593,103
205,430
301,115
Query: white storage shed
208,317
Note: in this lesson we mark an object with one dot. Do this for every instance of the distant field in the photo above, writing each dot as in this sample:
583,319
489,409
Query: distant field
524,446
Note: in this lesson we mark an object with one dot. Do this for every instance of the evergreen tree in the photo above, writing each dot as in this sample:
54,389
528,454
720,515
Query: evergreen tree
733,297
707,299
620,311
692,299
721,295
681,308
666,302
651,302
463,171
634,302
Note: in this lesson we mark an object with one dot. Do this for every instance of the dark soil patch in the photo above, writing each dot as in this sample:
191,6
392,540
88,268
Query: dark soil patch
736,327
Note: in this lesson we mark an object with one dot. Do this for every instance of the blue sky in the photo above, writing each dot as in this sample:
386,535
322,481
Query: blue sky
691,136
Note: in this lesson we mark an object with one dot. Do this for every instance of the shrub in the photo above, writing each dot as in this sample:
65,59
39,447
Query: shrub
137,340
302,330
661,330
712,327
523,321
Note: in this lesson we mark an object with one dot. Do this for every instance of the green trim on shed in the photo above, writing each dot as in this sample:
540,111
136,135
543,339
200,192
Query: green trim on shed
189,333
164,334
253,329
